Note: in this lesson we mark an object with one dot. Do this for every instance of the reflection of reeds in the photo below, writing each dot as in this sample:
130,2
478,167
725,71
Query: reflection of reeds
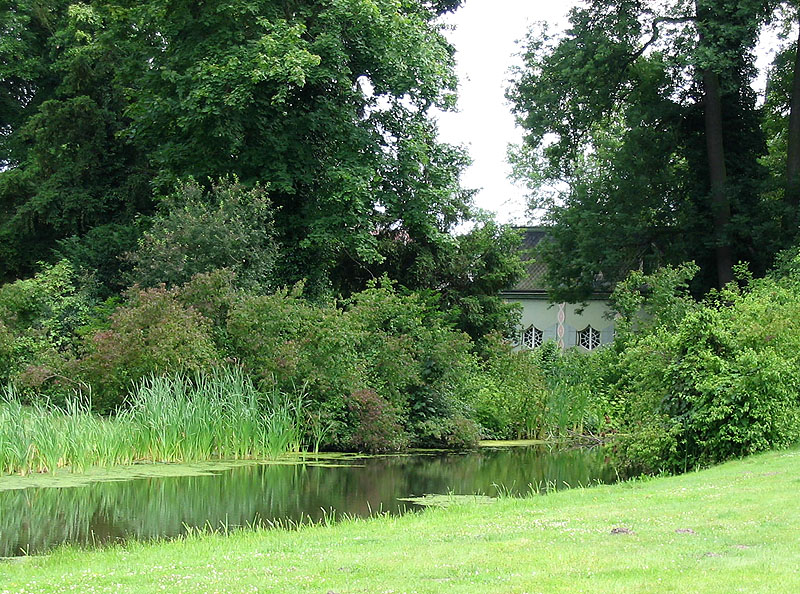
175,418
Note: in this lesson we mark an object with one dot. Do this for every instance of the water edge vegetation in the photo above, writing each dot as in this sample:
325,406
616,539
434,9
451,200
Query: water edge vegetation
176,418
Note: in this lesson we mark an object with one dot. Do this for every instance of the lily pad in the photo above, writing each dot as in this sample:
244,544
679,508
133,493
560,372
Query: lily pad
439,500
64,479
511,443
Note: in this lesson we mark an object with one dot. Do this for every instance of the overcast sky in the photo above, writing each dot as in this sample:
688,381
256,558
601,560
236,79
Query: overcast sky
485,38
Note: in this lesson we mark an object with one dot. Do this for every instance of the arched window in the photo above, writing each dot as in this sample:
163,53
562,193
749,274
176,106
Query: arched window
532,337
589,338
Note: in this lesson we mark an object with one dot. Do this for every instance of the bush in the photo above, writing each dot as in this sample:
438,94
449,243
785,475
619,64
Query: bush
456,432
198,232
48,308
383,344
375,424
388,327
152,334
40,330
447,366
721,381
380,371
414,359
213,294
285,340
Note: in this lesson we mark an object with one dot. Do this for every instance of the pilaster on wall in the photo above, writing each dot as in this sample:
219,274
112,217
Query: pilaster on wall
561,317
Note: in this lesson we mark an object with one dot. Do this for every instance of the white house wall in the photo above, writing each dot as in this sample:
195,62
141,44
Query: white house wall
561,322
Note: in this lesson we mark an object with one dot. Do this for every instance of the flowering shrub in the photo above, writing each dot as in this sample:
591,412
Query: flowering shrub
152,334
375,427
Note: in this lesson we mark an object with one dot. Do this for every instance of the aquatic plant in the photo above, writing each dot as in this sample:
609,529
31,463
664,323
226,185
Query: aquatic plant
177,418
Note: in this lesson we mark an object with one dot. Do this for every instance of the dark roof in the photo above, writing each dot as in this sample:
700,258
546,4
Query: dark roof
532,281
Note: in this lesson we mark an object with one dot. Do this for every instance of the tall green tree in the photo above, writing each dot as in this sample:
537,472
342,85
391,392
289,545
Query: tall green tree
647,117
324,103
65,169
792,190
782,120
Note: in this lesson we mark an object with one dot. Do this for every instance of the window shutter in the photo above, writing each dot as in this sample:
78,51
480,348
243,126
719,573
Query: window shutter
570,336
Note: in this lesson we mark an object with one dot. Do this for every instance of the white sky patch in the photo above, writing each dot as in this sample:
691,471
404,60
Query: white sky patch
485,36
772,39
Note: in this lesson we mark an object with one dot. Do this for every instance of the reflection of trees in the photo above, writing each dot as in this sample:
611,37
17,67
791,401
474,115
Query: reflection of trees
38,519
512,468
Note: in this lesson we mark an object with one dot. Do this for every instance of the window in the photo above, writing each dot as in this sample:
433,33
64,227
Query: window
532,337
589,338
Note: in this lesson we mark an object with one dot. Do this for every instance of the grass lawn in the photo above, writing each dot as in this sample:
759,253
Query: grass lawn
733,528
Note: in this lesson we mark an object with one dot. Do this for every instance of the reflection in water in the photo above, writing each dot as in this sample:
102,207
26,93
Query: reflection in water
34,520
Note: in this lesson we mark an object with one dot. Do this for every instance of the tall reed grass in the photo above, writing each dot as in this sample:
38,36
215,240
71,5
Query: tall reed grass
177,418
573,403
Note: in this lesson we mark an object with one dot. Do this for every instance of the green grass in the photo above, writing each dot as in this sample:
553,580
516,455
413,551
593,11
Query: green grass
169,419
733,528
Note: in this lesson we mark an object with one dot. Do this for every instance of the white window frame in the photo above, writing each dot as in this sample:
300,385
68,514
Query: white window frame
588,338
532,337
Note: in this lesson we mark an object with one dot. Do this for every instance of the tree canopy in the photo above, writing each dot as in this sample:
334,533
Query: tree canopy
109,104
644,119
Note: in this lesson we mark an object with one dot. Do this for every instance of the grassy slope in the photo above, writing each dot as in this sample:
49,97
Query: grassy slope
742,523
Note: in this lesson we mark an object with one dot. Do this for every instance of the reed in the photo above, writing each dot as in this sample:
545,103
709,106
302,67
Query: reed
571,407
179,418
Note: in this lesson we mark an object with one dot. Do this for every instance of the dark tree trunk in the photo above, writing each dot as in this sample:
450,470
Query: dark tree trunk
720,203
792,191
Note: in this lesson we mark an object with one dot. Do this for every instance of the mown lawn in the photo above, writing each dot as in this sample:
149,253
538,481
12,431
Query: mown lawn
733,528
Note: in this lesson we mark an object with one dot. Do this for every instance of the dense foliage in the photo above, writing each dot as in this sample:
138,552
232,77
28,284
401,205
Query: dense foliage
286,141
380,371
709,381
643,122
684,384
250,186
108,106
254,190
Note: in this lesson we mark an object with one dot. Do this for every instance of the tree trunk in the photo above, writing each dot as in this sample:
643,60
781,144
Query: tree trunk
720,204
792,190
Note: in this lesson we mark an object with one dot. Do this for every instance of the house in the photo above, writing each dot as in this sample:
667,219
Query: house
585,326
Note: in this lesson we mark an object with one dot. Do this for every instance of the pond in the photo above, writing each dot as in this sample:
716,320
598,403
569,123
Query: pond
35,519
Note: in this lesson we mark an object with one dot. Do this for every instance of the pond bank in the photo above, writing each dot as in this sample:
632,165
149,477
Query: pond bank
729,528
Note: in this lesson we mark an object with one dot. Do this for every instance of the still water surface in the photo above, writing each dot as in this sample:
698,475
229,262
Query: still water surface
37,519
